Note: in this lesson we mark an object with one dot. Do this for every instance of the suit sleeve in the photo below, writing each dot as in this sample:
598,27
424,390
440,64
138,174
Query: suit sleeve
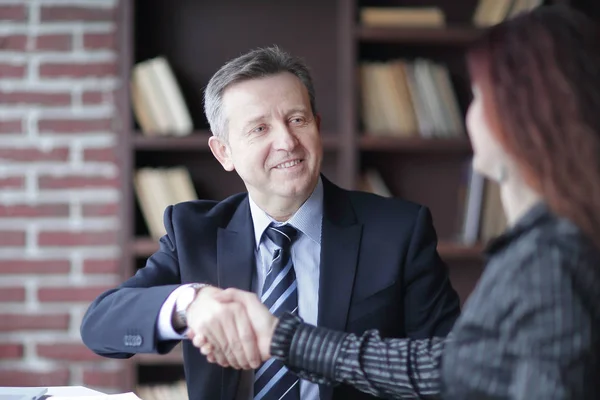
431,305
122,321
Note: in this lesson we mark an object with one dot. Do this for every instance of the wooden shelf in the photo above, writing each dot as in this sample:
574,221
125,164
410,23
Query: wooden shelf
414,144
175,357
457,251
198,141
458,35
144,247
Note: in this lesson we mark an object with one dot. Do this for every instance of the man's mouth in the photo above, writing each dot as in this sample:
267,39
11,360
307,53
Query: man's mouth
288,164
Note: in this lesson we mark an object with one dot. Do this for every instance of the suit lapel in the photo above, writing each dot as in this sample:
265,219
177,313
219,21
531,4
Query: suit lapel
235,250
340,242
235,263
339,257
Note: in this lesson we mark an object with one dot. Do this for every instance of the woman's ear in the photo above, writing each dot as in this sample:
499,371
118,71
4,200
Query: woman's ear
222,152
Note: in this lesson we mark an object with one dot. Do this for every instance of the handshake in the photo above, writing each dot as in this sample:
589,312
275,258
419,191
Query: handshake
231,327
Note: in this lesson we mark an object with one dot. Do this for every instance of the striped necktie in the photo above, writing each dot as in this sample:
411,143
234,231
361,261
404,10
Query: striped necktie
273,381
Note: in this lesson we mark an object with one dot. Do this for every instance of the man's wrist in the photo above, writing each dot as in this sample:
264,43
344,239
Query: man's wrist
183,302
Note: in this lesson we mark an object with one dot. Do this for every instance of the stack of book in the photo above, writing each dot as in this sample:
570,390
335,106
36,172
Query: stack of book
175,391
483,215
491,12
158,188
414,17
402,98
157,101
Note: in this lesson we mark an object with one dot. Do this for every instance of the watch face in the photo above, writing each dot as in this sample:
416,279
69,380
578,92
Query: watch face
185,298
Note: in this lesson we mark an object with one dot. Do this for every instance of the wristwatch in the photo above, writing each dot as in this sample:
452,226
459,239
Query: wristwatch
184,299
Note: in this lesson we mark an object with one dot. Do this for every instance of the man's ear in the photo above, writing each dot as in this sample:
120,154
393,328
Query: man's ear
318,120
221,151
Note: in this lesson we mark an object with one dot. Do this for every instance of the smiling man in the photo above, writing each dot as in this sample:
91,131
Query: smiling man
341,259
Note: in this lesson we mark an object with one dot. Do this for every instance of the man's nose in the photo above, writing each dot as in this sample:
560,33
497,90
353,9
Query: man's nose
285,139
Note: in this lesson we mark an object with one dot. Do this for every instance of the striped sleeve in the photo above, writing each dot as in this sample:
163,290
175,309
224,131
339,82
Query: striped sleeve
382,367
306,350
405,368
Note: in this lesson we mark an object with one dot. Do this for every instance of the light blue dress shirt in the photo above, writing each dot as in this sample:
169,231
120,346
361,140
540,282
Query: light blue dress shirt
306,256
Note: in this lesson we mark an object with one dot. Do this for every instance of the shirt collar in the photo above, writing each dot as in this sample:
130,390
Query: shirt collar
308,219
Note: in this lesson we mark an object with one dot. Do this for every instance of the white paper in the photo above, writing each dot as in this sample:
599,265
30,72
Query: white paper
120,396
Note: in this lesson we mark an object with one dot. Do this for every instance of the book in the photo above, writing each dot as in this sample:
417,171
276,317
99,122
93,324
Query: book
157,101
402,17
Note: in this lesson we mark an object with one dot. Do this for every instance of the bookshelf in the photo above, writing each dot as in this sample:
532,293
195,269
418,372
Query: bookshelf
197,37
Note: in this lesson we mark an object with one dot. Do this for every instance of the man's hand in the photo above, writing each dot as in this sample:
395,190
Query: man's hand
263,323
225,325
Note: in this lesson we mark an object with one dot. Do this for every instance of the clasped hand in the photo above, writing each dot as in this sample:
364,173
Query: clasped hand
231,327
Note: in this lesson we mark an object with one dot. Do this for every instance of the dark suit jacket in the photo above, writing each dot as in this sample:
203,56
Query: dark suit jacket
379,270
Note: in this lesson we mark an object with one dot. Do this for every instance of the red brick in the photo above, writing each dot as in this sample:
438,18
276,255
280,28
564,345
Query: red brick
13,12
10,351
12,182
35,98
96,377
11,126
13,377
66,351
13,42
54,42
74,125
12,238
90,98
102,154
72,13
100,210
99,40
10,70
37,267
31,322
19,154
78,70
110,266
39,210
87,238
76,182
71,294
11,293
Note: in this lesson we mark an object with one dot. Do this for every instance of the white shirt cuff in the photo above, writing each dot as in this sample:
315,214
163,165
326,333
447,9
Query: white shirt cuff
164,327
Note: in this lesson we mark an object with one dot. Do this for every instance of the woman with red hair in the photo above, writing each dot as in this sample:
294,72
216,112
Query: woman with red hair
531,327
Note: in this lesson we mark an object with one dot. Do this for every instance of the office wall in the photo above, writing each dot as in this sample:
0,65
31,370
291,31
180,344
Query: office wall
58,186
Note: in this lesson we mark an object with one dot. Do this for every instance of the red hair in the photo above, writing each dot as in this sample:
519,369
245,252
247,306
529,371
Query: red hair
540,75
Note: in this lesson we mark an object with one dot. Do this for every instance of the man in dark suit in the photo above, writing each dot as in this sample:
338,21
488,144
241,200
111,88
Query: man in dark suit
341,259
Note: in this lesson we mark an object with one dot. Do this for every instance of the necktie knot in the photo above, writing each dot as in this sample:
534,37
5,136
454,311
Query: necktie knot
283,236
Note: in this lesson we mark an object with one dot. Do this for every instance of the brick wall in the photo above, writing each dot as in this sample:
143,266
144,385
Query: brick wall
58,187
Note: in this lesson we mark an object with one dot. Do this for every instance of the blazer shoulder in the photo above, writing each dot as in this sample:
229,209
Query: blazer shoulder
369,204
